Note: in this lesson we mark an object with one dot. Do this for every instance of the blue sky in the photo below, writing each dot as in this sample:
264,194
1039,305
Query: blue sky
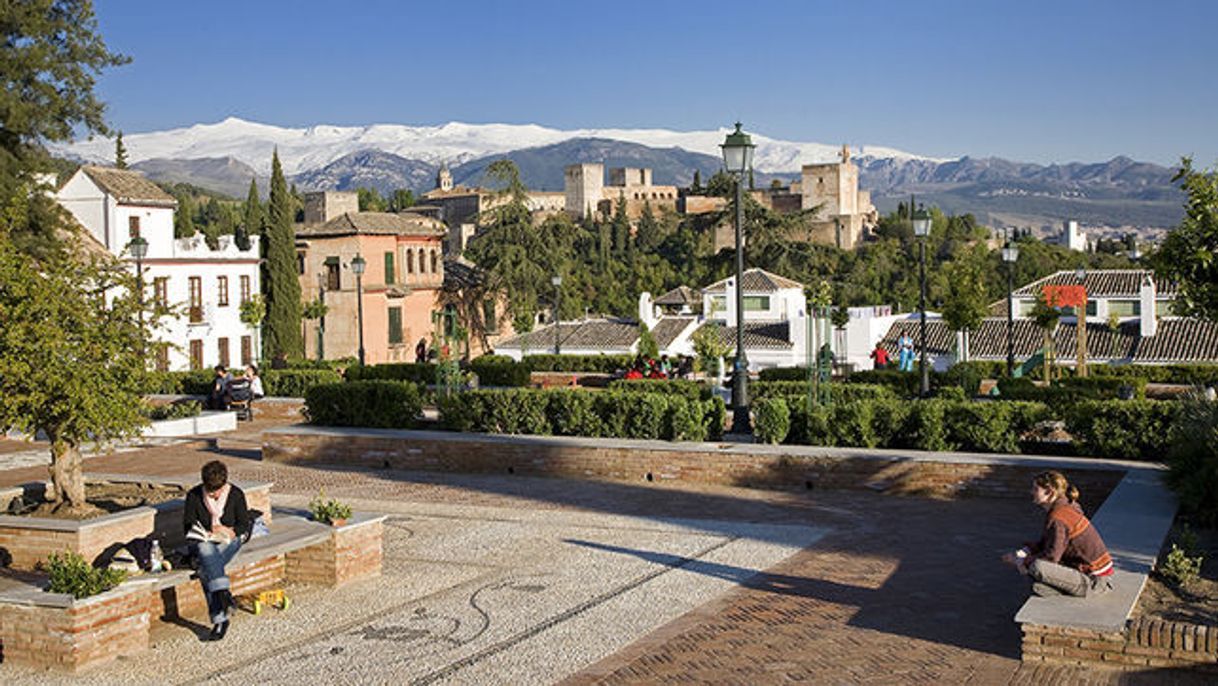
1035,81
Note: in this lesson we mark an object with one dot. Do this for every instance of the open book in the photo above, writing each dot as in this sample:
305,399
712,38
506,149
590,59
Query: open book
198,533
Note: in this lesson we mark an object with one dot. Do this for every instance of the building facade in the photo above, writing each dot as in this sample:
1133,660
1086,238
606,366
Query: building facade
205,287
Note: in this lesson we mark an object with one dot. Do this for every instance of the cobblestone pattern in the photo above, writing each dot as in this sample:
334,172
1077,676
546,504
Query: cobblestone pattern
417,451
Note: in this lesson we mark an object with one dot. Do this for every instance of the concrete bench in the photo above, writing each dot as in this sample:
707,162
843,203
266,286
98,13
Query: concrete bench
1134,521
57,631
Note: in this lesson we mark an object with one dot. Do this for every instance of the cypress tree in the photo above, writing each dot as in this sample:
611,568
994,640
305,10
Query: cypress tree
251,224
184,218
120,152
279,280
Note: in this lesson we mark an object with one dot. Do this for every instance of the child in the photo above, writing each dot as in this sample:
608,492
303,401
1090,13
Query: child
1070,558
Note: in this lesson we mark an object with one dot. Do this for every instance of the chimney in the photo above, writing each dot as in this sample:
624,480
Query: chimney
1149,324
647,310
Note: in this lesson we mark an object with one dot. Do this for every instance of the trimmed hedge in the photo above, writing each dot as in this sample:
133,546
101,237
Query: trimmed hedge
923,424
692,390
1128,429
576,363
396,371
196,382
839,392
904,384
376,404
295,383
332,365
575,412
499,370
1070,389
1191,374
772,420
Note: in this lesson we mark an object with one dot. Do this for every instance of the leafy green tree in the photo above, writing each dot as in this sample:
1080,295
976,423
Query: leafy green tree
50,57
401,200
620,227
251,223
252,314
696,187
648,235
280,282
649,349
71,364
184,217
1189,255
370,200
966,303
120,152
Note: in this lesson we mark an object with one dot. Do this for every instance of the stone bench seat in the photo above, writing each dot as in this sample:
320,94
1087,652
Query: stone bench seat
1134,521
54,630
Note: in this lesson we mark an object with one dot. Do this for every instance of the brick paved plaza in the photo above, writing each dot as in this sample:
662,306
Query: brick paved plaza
508,579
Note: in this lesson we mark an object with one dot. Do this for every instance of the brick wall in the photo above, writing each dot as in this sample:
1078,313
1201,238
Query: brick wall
88,633
1143,643
186,599
353,552
765,468
25,544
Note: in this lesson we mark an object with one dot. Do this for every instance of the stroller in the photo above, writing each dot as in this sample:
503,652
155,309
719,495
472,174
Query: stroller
241,398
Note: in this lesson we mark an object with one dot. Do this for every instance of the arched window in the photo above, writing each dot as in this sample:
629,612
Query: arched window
409,261
435,262
422,262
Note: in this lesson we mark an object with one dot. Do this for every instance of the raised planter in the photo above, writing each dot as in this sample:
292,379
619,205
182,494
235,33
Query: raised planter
353,551
208,422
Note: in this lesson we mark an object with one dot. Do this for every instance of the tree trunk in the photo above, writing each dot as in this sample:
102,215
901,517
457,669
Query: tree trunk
67,475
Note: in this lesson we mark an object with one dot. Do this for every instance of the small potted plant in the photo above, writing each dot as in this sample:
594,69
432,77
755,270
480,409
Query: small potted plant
330,512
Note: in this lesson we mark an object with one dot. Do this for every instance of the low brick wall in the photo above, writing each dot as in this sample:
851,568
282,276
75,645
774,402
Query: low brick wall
1142,643
353,552
782,467
27,541
186,599
82,634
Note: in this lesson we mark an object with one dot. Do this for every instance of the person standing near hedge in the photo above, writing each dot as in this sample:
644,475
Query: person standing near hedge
216,520
1070,558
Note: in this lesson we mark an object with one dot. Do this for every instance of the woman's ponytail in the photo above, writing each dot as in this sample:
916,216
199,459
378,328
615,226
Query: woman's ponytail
1056,482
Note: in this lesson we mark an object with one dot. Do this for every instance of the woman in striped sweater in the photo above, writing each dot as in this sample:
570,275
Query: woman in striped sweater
1070,558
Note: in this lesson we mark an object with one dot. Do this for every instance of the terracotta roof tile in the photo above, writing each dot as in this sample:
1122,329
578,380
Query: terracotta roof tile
756,281
769,335
1101,283
681,295
375,223
128,186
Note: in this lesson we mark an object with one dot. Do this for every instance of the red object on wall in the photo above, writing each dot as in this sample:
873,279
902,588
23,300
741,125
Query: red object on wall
1065,296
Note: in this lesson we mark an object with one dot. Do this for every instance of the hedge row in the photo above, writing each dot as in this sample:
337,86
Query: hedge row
500,370
889,423
838,392
692,390
1132,430
378,404
1192,374
574,412
280,383
1071,389
395,371
577,363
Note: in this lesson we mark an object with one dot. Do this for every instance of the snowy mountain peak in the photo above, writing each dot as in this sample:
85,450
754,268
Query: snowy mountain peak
302,149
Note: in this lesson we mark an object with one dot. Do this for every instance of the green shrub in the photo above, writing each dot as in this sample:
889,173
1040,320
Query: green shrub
692,390
197,382
926,426
968,375
714,413
500,370
69,573
332,365
1129,429
952,393
784,374
328,511
838,392
1192,458
980,427
180,409
421,374
809,427
772,420
904,384
1070,389
376,404
576,363
573,413
295,383
1190,374
1179,567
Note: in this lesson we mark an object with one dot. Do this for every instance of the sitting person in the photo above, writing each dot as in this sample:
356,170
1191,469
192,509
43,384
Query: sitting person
218,398
251,373
216,521
1070,558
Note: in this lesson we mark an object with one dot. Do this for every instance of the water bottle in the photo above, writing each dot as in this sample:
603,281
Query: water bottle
157,559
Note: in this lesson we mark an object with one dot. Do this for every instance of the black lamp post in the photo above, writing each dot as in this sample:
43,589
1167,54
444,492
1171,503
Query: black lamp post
139,250
921,227
556,281
357,265
738,159
321,321
1010,253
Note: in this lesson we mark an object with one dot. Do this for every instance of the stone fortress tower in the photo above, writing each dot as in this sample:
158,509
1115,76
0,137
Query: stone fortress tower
583,185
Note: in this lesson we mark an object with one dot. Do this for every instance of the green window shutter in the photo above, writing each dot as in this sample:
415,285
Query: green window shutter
390,277
395,325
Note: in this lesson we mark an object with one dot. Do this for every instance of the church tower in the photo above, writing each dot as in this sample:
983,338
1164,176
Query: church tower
444,178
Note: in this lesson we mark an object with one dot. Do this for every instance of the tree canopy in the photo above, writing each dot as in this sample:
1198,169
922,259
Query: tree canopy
281,283
1189,255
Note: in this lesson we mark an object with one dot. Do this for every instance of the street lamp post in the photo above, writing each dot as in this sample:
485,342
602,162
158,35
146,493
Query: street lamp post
1010,253
738,159
556,281
357,265
139,250
1080,323
921,226
321,321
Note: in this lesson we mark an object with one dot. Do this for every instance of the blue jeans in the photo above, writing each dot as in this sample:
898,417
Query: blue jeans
212,559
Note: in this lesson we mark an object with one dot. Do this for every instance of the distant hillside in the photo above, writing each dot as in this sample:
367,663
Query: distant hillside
225,175
383,171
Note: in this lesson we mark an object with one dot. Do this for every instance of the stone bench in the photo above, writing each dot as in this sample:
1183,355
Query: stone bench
57,631
1134,521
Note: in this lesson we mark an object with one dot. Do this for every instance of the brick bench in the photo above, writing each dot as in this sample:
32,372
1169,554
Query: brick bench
57,631
1134,522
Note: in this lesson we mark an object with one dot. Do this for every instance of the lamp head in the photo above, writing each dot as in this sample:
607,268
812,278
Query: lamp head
138,247
358,264
738,151
1010,253
921,222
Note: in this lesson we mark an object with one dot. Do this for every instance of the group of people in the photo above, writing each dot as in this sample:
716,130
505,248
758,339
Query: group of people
226,388
663,368
881,358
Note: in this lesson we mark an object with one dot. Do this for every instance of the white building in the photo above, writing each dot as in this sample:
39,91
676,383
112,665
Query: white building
208,286
1072,237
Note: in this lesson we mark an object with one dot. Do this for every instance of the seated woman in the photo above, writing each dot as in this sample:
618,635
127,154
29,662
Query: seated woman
1070,558
216,520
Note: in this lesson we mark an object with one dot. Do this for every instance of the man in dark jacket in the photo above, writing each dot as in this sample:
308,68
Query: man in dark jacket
216,520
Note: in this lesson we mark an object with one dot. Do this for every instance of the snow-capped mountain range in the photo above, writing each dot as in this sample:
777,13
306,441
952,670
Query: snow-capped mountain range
304,149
